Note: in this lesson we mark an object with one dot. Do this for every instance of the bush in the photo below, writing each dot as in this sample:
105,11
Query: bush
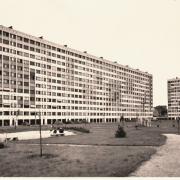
1,145
81,129
120,133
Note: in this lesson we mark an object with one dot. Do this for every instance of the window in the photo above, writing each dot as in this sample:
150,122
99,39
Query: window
13,59
26,91
26,113
19,53
26,54
53,61
5,49
13,36
6,57
32,42
37,43
19,38
53,48
5,41
32,63
19,75
12,51
26,47
13,66
19,60
6,34
13,82
26,76
26,40
6,81
6,97
48,47
32,56
20,68
43,45
37,50
13,74
26,69
53,54
6,65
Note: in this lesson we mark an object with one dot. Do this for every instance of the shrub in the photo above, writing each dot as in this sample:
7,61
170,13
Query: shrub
68,122
81,129
1,145
120,133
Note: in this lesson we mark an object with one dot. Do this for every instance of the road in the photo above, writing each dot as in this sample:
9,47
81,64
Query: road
165,163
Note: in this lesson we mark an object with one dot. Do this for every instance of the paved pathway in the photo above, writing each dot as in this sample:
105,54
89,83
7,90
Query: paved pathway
30,135
165,163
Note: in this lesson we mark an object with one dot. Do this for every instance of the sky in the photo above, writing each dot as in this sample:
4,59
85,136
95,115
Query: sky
143,34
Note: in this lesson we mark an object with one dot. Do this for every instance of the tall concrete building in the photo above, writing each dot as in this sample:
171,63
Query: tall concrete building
174,98
44,80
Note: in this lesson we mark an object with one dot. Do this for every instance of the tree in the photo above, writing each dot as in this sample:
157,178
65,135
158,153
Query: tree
160,111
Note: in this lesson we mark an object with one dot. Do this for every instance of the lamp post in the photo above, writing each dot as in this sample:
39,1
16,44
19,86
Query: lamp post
17,114
143,104
137,120
178,125
178,118
40,137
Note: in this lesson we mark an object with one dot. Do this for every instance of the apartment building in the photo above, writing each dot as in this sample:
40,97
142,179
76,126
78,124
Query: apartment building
42,80
174,98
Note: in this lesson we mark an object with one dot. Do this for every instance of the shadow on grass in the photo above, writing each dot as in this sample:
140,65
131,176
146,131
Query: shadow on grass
44,156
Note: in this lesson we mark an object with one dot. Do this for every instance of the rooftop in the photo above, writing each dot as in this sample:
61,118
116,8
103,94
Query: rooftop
65,47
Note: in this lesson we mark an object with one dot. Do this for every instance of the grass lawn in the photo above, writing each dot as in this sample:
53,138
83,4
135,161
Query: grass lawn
105,155
19,160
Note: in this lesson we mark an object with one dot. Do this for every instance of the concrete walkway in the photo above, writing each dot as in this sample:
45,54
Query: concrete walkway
30,135
165,163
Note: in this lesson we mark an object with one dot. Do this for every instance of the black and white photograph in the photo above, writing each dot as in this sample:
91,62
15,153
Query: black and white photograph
89,88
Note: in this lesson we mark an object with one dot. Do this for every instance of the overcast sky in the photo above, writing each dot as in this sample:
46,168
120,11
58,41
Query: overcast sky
143,34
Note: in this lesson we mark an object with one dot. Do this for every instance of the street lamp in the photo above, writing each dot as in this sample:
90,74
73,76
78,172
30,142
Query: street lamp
178,125
40,137
143,104
17,114
177,117
137,120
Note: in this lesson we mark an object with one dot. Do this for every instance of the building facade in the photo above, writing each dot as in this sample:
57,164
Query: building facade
44,80
173,98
